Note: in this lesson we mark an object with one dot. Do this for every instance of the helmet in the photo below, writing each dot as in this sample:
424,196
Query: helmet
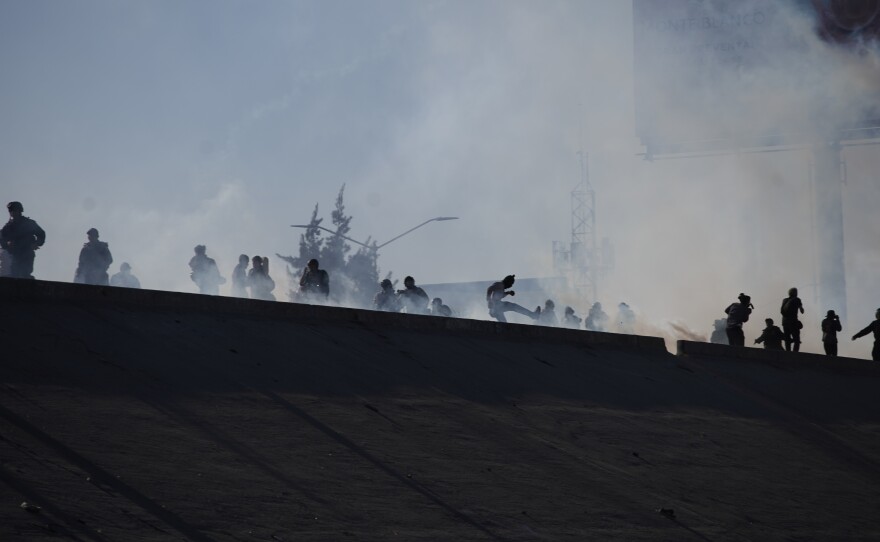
200,249
15,206
92,231
792,291
124,266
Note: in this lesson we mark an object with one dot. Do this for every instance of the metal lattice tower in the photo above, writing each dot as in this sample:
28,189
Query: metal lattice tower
584,255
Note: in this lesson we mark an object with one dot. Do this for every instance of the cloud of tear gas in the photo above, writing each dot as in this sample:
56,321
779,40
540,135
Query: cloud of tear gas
170,124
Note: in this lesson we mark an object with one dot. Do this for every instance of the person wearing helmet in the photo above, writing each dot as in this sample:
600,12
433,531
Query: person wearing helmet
791,326
20,238
438,308
873,327
495,295
125,279
386,299
94,261
205,272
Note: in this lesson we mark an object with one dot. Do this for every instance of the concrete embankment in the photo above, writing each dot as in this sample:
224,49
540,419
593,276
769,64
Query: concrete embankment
142,415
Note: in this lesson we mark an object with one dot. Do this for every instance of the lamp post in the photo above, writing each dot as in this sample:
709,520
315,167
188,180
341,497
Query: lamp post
377,247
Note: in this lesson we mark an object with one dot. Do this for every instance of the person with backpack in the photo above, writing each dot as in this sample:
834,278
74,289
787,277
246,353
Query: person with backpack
737,315
791,326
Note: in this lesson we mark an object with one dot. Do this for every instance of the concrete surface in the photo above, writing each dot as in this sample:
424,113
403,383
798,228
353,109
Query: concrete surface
138,415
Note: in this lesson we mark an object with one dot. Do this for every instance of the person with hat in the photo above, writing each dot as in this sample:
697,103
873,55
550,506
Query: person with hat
20,238
737,315
873,327
94,261
495,295
830,327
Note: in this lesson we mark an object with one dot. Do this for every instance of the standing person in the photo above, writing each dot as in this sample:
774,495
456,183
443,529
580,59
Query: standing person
20,238
737,315
124,279
259,281
314,284
94,261
791,326
596,318
412,298
495,295
570,319
873,327
386,299
205,273
626,319
548,314
240,277
772,336
830,327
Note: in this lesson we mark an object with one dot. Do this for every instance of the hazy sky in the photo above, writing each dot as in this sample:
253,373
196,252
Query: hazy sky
167,124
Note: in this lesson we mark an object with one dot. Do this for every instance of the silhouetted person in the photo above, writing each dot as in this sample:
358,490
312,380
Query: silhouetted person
495,295
386,298
791,326
94,261
259,281
314,284
20,238
719,333
570,319
830,327
597,319
626,319
124,279
412,298
771,336
240,277
205,272
873,327
737,315
548,314
5,263
439,309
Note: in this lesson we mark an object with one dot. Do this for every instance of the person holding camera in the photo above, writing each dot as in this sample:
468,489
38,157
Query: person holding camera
830,327
737,315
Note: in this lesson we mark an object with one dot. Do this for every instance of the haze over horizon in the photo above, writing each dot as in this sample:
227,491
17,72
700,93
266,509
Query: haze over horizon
168,124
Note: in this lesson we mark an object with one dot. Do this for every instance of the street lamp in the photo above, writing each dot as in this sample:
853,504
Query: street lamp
377,247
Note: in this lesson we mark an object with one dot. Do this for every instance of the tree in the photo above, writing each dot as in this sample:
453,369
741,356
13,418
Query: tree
354,279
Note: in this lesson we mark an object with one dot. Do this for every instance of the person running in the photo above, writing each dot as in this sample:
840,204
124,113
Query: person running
495,295
873,327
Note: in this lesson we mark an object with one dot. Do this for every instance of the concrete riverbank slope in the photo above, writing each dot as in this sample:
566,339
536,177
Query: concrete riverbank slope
140,415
